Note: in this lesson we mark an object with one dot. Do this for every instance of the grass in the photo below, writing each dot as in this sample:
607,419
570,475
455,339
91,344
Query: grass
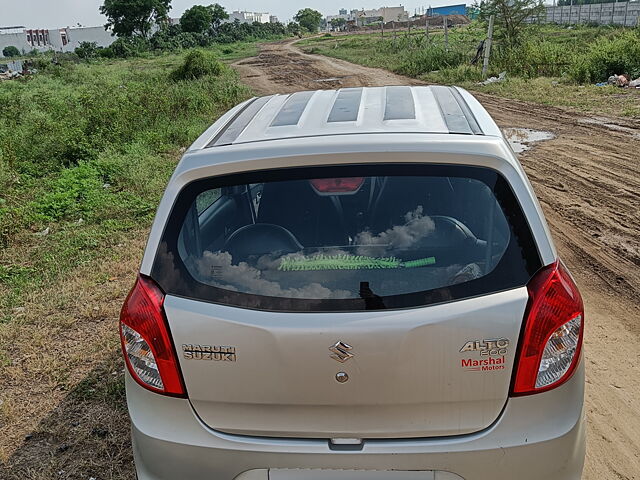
85,153
234,51
555,65
607,100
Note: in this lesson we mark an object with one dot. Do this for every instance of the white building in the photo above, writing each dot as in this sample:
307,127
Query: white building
60,40
387,14
365,17
249,17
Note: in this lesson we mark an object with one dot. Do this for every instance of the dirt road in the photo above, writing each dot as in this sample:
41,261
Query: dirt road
588,181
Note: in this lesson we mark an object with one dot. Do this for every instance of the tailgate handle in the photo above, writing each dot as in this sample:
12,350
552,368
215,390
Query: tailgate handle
346,444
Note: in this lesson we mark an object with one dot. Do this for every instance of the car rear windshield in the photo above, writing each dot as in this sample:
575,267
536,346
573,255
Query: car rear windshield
356,237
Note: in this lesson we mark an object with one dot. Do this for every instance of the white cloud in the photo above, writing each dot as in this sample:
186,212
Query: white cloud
217,269
404,236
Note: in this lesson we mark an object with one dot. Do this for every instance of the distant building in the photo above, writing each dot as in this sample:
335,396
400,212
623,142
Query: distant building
60,40
460,9
249,17
386,14
328,18
366,17
273,19
344,15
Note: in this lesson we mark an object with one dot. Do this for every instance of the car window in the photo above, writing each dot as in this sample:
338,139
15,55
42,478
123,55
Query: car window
206,199
370,240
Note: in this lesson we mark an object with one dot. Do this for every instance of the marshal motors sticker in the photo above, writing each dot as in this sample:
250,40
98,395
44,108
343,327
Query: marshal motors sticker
492,353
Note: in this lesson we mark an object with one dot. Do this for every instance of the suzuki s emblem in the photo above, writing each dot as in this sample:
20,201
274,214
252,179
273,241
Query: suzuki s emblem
341,352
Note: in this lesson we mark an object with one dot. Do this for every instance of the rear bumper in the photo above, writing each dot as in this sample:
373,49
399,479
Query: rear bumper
536,437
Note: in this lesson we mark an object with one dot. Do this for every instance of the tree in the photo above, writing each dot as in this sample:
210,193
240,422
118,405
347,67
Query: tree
197,19
11,51
135,17
219,14
293,28
509,16
309,19
338,23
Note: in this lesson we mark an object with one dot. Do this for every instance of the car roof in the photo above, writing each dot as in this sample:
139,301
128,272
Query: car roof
351,111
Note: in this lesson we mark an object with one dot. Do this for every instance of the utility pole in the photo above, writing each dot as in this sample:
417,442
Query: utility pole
487,47
395,34
426,28
446,33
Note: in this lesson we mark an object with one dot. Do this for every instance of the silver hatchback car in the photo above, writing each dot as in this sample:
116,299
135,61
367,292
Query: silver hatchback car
354,285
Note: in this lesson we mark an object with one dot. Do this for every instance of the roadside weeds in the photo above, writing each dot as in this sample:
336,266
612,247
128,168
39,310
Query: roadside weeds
63,412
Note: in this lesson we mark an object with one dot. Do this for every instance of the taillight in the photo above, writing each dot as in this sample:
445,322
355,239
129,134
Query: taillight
551,340
146,343
337,186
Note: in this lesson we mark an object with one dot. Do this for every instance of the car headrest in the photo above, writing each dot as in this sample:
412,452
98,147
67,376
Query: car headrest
260,239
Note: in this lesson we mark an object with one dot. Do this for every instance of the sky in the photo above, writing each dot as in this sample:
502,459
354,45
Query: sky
63,13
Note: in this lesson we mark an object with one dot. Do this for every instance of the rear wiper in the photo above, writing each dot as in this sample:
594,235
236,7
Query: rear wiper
371,300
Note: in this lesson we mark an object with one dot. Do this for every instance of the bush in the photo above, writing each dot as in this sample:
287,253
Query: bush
11,51
197,64
105,53
534,58
125,47
174,37
423,61
235,32
41,63
107,140
171,39
77,191
607,57
191,40
87,50
455,75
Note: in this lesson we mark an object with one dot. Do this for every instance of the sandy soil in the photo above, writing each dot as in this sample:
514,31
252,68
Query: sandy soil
588,182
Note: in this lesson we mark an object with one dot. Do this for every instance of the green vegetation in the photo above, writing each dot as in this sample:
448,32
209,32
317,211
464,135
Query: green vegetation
309,19
87,50
10,51
199,26
172,38
510,16
554,59
197,64
199,19
608,57
135,17
85,152
338,23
